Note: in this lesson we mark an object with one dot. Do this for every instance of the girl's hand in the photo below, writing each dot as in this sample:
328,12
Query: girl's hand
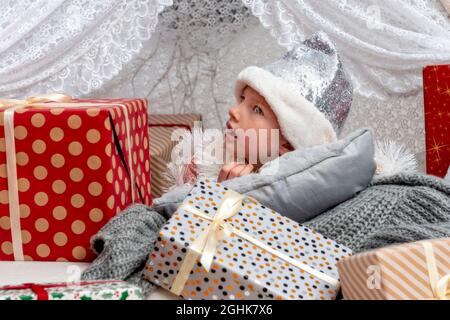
233,170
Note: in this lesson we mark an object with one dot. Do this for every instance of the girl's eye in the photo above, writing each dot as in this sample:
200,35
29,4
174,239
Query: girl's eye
258,110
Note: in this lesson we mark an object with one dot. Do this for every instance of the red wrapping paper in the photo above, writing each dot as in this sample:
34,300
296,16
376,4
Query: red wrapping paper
73,175
437,118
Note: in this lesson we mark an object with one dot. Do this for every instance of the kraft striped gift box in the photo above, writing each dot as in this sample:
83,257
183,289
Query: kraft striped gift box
411,271
161,127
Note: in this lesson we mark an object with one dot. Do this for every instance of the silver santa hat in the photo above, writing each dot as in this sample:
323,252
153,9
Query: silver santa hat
307,89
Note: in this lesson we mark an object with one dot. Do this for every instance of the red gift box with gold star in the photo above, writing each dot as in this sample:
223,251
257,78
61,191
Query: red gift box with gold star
67,166
436,84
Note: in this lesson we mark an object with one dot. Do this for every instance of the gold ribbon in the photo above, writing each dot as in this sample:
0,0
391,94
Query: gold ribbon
206,244
439,286
52,100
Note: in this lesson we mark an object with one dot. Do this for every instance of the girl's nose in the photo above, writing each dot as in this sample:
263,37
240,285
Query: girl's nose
234,113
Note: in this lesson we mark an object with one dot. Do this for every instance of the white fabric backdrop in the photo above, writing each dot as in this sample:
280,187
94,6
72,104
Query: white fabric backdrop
188,61
75,46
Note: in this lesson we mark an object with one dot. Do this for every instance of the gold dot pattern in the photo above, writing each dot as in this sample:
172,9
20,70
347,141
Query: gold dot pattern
5,223
75,148
4,197
93,112
56,111
40,172
96,215
41,198
60,239
58,160
43,250
56,134
79,253
68,165
59,213
7,248
78,227
95,189
20,132
76,174
93,136
77,200
23,184
24,211
94,162
22,158
74,122
41,225
26,236
39,146
3,172
38,120
59,186
240,269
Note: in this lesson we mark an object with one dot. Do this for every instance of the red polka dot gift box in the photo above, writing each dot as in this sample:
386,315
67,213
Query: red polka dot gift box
223,245
66,167
436,86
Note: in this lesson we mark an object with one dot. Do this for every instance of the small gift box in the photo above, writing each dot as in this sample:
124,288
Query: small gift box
97,290
162,126
436,86
66,167
411,271
223,245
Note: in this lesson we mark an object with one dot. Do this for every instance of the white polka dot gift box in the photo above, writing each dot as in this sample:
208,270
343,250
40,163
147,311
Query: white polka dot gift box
66,167
223,245
93,290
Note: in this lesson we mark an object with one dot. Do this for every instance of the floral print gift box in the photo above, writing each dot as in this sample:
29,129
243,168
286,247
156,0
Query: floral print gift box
223,245
98,290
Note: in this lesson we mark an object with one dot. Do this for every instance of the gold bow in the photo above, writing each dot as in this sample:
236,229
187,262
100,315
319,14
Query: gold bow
36,100
51,100
439,286
206,244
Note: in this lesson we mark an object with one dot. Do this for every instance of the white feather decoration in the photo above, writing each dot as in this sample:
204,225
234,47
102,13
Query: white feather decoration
192,152
393,158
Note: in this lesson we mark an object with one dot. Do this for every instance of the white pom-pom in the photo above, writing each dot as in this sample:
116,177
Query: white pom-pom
176,169
193,151
393,158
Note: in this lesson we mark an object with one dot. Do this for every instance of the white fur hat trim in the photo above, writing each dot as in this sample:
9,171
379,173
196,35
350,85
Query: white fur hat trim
301,123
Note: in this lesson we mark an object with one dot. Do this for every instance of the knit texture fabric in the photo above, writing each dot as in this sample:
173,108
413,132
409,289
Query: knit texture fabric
396,209
123,246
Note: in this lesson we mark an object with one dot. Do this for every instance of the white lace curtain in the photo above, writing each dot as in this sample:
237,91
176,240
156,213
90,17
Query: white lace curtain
183,55
75,46
384,44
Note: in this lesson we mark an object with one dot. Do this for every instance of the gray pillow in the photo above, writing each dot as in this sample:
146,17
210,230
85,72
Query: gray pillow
307,181
312,180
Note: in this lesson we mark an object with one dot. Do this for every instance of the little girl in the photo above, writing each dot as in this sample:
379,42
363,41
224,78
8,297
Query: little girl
298,101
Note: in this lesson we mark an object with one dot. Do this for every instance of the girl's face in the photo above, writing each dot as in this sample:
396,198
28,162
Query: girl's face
253,116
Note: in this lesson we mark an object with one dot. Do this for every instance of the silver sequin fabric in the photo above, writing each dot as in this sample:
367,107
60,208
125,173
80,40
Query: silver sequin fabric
315,70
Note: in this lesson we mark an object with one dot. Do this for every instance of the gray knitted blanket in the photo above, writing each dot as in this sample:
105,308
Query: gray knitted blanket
396,209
